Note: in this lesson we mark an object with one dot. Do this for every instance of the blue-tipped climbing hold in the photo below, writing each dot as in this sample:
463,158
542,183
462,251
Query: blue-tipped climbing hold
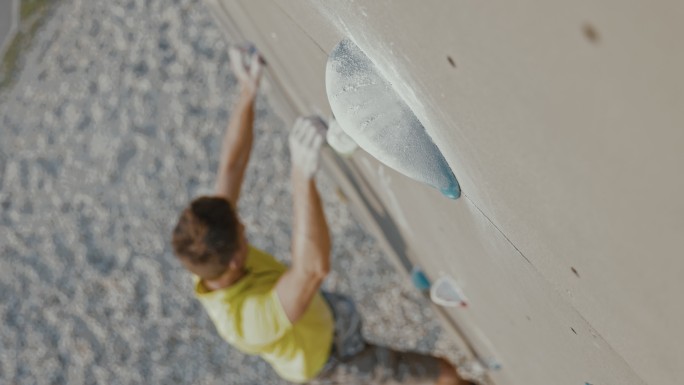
375,116
452,191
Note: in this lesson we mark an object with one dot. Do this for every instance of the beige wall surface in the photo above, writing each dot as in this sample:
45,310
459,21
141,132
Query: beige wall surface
564,123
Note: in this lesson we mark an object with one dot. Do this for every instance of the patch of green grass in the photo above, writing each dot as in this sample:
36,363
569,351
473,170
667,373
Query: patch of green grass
9,62
30,7
33,14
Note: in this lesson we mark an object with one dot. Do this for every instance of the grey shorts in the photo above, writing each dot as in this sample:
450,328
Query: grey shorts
354,361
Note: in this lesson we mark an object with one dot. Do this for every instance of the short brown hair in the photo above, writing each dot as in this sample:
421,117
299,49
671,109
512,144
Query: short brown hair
206,236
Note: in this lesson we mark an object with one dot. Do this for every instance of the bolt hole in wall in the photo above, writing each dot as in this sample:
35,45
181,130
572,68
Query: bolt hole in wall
575,271
451,61
590,33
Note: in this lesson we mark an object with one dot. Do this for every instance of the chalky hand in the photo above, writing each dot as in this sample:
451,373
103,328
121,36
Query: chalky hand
306,139
246,65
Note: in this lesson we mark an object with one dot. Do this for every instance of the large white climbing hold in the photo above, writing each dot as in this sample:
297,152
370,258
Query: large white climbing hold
375,116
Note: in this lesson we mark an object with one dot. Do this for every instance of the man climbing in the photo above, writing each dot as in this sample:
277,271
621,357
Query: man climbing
262,307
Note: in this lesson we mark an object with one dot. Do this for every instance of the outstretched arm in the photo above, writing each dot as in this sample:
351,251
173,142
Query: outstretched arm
310,239
237,141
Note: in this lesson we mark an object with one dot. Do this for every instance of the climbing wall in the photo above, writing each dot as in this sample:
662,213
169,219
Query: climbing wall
563,123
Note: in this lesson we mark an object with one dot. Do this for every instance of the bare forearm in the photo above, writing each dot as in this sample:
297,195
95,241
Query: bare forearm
311,239
236,149
237,142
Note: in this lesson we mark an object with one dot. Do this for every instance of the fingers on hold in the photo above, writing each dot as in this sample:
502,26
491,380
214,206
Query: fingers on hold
317,121
297,128
235,56
255,65
318,124
304,134
297,134
294,132
308,132
233,52
237,62
317,142
314,133
322,131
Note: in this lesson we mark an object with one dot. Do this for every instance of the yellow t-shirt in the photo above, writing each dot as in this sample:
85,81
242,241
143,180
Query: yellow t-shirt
249,315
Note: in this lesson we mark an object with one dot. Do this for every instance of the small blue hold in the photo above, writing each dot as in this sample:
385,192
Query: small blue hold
452,192
449,187
419,280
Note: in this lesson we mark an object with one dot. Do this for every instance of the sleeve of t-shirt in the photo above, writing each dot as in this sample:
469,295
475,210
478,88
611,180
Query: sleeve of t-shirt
263,319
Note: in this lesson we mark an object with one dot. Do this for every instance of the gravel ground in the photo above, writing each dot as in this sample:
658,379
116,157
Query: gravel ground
112,127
